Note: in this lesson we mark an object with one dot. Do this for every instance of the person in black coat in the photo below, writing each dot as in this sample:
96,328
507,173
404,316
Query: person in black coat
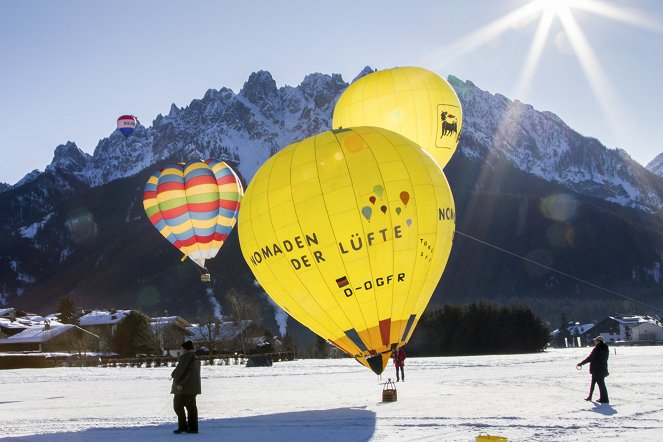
186,385
598,367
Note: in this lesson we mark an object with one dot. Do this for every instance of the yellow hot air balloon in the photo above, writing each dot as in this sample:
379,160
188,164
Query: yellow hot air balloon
349,232
411,101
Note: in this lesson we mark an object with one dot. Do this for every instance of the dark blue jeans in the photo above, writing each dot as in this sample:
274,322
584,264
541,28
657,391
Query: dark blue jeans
188,401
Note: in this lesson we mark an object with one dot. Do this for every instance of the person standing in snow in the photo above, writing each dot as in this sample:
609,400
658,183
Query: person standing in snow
186,385
598,368
399,356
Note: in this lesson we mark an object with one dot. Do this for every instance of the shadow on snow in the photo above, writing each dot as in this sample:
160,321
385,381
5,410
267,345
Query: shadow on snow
356,424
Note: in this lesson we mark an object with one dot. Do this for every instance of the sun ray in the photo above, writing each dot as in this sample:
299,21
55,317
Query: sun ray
534,54
464,45
622,14
598,80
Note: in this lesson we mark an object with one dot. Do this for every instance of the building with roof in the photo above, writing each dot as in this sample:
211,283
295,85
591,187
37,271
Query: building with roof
170,332
103,323
49,336
634,329
224,336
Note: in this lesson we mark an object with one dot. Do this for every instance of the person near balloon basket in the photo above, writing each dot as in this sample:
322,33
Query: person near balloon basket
399,356
598,368
186,385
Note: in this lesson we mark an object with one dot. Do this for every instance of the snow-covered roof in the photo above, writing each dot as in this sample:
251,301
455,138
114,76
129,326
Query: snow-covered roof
6,323
635,319
37,333
103,317
165,320
6,311
580,329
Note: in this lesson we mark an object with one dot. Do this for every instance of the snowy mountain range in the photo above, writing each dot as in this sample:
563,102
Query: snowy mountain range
62,224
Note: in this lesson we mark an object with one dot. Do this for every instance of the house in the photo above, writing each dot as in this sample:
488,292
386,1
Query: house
220,337
50,336
574,336
635,329
171,331
103,323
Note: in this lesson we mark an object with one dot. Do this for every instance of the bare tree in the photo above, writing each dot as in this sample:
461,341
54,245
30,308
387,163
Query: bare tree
210,330
243,308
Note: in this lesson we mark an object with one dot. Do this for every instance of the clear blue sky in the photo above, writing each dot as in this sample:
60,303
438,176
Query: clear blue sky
71,67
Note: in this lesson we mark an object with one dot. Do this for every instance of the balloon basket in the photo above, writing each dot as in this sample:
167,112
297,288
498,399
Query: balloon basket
389,393
205,277
488,438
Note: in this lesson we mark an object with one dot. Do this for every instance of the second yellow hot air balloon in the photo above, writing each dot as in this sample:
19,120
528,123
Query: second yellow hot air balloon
412,101
349,232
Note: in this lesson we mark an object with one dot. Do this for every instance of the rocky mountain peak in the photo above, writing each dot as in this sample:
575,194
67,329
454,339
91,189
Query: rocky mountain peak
655,166
69,157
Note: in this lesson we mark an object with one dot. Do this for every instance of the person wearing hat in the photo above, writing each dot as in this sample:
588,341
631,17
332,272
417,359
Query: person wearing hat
598,368
186,385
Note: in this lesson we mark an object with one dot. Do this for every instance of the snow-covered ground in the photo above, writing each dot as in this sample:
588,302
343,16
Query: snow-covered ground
535,397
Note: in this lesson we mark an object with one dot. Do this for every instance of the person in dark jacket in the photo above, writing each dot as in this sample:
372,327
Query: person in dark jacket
598,368
399,355
186,385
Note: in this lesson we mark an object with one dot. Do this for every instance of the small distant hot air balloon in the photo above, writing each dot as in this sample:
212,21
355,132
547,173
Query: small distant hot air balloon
127,124
412,101
194,206
349,232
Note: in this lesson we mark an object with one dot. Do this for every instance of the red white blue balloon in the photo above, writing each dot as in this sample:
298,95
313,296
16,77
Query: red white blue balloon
126,124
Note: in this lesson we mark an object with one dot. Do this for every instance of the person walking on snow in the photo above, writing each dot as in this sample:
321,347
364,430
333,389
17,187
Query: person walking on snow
186,385
399,356
598,368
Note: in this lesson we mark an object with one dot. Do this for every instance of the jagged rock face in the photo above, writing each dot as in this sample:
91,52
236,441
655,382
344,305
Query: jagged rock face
248,127
540,143
655,166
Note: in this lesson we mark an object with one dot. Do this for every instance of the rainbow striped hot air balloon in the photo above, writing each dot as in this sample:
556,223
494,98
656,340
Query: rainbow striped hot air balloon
126,124
194,206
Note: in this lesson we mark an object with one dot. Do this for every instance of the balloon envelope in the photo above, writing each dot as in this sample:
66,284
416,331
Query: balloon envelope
349,232
194,206
126,124
411,101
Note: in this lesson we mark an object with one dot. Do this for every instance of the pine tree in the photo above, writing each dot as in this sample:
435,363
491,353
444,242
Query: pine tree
69,314
134,336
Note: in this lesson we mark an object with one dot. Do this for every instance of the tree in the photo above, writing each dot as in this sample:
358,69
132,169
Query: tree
480,328
210,330
243,309
69,314
320,348
134,336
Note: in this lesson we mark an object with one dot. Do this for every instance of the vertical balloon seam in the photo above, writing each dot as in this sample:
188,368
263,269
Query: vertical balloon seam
225,170
336,241
320,325
414,200
355,191
391,222
329,287
190,249
267,268
194,230
151,204
420,307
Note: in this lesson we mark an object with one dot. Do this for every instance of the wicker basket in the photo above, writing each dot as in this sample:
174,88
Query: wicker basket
389,393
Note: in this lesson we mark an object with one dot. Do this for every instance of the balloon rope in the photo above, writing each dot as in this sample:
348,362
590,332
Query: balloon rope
557,271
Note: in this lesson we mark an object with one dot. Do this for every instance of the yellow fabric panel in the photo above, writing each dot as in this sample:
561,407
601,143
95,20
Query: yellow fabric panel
407,100
202,189
332,228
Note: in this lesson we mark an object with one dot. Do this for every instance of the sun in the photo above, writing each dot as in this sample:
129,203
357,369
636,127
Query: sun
548,12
